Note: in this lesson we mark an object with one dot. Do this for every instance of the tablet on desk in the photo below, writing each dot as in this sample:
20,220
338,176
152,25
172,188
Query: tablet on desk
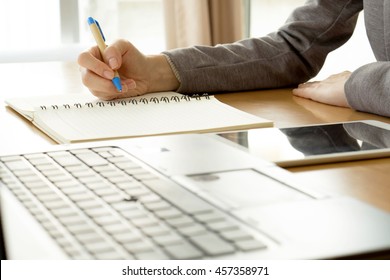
316,144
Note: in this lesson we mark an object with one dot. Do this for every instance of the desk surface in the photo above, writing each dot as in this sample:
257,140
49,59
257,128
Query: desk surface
366,179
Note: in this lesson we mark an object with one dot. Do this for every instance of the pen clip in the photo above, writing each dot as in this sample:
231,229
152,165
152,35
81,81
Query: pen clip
101,31
91,20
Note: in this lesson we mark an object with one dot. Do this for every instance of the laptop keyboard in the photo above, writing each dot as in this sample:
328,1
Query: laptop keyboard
100,203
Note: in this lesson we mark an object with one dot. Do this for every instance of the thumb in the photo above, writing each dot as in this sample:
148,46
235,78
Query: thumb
113,53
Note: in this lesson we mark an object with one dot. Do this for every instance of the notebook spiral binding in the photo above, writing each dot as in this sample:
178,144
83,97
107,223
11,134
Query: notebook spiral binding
128,101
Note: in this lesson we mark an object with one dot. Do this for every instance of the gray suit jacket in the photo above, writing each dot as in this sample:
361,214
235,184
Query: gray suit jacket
295,53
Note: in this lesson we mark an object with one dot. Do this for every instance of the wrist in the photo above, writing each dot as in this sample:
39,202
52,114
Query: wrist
162,77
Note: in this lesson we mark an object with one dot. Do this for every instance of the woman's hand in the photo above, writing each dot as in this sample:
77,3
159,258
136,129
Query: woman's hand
139,73
329,91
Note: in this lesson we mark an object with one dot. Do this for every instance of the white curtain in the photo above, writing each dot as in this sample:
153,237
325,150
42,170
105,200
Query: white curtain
203,22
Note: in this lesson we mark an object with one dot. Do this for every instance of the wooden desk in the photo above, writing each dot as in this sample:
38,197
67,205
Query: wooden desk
368,180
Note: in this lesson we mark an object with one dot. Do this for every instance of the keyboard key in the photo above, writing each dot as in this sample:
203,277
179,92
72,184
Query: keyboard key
157,205
74,253
124,206
42,191
168,213
250,244
18,164
25,173
107,219
209,217
63,212
129,184
134,213
65,159
112,174
103,149
119,178
113,198
10,158
152,255
89,237
80,172
88,204
79,196
222,226
118,159
45,166
212,245
117,152
180,221
191,230
68,184
144,221
79,228
91,179
99,247
138,171
105,191
235,235
138,247
96,212
127,237
71,219
48,197
168,239
116,228
144,176
138,191
149,198
125,165
155,230
183,251
104,168
91,159
111,255
75,190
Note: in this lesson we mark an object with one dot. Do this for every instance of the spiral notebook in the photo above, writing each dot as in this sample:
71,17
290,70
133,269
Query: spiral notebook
76,117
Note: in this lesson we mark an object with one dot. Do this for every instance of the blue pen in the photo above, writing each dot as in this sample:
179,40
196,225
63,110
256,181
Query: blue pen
100,41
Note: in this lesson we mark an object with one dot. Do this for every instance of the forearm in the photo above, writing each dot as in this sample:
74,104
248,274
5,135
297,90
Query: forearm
368,88
290,56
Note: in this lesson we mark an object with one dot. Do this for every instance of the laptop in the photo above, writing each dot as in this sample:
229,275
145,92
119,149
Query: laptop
191,196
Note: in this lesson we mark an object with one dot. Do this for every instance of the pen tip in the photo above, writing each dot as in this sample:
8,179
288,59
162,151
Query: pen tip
117,83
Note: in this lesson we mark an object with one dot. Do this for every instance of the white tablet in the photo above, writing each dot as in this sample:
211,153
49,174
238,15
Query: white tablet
316,144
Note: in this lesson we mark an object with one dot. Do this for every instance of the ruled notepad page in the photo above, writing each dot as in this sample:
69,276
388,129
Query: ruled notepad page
155,114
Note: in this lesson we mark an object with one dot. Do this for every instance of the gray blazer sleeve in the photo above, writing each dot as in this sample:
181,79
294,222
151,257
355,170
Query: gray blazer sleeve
293,54
368,88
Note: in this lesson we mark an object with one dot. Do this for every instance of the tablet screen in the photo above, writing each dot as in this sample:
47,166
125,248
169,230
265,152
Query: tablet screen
297,143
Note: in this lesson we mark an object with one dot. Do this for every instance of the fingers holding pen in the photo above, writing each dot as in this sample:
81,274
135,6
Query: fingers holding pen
100,87
92,61
97,75
98,70
113,57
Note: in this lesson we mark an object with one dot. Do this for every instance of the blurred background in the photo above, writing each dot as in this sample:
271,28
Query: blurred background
49,30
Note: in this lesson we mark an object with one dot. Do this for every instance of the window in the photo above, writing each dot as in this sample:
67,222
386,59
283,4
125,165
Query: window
27,26
139,21
268,15
57,30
